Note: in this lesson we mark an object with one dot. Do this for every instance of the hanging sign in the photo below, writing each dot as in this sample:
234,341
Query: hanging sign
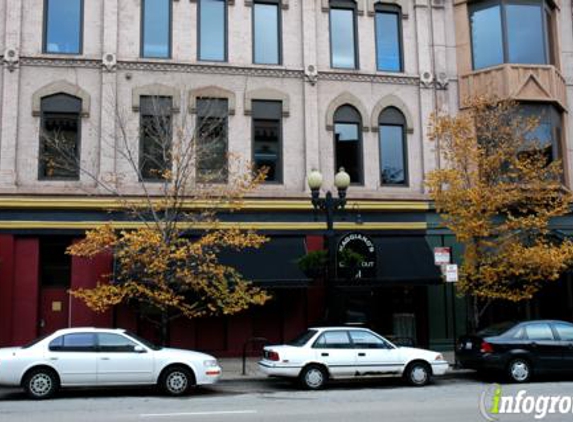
451,273
442,256
363,248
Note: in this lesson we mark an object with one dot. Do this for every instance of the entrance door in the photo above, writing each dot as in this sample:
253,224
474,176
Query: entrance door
53,309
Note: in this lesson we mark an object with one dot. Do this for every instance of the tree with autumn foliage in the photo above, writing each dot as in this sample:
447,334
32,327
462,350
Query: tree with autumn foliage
167,266
498,191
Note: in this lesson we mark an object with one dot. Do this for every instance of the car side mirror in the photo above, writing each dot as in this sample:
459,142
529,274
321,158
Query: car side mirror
139,349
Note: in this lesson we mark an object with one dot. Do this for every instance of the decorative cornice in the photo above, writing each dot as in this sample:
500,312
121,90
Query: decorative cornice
374,78
60,62
11,59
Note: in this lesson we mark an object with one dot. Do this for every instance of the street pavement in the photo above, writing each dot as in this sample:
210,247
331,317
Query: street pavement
451,399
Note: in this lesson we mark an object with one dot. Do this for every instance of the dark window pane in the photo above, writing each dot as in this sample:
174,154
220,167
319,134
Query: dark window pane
266,27
487,41
212,34
539,331
547,134
55,263
347,141
155,137
56,344
156,28
59,137
114,343
366,340
63,26
342,42
526,41
392,157
82,342
388,41
267,149
565,331
212,160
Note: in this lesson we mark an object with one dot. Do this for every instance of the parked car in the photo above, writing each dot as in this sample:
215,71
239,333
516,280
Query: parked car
91,357
321,354
519,350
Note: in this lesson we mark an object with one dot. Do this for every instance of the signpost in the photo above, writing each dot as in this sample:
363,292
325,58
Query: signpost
443,258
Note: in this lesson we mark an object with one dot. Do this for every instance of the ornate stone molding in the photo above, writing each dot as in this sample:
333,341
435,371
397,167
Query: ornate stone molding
11,59
284,4
60,87
404,5
311,74
155,90
109,62
60,62
373,78
325,5
391,101
211,92
268,94
342,99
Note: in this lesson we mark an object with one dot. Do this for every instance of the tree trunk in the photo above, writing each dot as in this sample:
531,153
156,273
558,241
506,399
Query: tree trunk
164,329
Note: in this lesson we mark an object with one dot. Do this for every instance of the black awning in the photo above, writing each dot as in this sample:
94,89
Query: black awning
273,264
400,260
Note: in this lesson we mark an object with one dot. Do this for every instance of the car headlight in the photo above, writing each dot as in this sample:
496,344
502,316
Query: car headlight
439,357
210,363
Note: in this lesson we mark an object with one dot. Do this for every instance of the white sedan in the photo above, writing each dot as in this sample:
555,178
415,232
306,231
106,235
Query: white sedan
320,354
92,357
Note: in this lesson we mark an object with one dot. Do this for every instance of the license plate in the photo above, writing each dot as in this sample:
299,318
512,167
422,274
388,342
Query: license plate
468,345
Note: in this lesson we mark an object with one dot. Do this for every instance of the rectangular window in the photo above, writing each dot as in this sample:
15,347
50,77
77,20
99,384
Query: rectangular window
63,25
267,138
547,134
487,41
343,38
213,30
156,29
392,159
388,40
525,33
212,122
266,29
155,138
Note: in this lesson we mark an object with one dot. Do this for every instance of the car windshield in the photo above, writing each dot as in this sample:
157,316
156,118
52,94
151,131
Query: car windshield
34,342
302,339
496,329
143,341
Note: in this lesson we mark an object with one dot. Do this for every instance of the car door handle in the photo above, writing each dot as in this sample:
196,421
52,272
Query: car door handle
53,358
104,358
324,354
534,344
361,354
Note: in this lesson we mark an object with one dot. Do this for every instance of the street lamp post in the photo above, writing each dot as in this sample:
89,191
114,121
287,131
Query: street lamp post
329,205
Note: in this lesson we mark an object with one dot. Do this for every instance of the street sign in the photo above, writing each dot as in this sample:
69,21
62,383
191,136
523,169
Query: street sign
452,273
442,256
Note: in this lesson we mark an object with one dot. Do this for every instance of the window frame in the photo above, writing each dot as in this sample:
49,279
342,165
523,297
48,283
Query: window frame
404,125
141,176
63,349
360,125
226,35
280,180
45,31
545,9
278,4
344,5
395,10
142,34
43,112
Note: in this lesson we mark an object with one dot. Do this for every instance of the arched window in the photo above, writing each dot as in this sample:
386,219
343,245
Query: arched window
348,142
343,34
59,137
392,138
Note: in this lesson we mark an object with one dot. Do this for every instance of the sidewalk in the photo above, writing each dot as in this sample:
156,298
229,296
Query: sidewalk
233,368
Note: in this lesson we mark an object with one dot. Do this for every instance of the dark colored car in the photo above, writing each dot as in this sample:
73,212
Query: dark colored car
519,350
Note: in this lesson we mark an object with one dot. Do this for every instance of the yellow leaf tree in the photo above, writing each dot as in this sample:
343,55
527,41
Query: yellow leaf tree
497,191
180,177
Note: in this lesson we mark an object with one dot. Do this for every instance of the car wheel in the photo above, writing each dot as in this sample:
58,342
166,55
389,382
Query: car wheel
313,377
41,383
519,370
176,381
418,374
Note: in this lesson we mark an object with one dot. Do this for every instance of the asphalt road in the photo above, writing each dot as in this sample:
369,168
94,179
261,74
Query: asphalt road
452,399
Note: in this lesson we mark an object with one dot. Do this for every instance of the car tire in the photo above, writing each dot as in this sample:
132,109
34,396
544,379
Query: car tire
313,377
176,381
519,370
418,374
41,383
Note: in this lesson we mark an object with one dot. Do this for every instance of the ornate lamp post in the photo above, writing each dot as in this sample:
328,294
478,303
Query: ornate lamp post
329,205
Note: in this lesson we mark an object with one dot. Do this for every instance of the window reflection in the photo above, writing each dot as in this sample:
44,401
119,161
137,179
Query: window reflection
487,43
266,33
212,30
63,21
388,40
267,150
393,170
156,28
525,35
342,38
212,160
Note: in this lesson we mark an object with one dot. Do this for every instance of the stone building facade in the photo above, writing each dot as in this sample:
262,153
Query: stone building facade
109,71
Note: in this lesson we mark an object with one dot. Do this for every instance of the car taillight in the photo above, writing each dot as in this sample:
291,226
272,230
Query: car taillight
486,347
273,356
